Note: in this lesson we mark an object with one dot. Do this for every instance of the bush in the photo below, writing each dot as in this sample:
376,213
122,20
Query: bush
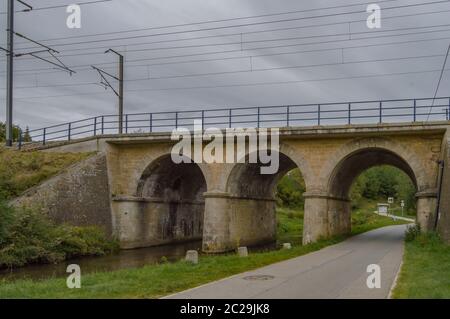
27,236
290,190
412,232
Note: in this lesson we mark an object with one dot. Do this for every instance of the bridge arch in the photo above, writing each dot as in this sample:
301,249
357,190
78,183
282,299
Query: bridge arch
250,205
172,202
246,181
351,166
290,158
162,178
328,210
379,151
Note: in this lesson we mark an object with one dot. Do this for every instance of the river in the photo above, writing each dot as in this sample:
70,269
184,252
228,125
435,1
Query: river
124,259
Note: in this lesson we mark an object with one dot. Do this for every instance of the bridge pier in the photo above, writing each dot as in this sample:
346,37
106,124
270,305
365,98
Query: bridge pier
216,226
426,210
325,216
231,222
143,222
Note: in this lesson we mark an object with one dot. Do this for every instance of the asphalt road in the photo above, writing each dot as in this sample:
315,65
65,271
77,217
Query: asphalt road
338,271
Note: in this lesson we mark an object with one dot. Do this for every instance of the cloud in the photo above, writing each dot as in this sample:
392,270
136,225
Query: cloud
42,100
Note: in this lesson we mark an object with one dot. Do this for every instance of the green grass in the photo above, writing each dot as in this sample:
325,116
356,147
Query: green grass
20,171
154,281
426,269
27,236
289,225
363,221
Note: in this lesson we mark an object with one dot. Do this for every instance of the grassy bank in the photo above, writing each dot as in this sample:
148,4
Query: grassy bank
363,221
27,236
289,225
426,269
20,171
154,281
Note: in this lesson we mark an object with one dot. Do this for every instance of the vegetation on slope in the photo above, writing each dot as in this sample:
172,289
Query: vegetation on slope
20,171
426,267
374,185
27,235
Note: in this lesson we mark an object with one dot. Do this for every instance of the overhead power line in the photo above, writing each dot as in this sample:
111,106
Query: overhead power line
254,32
240,25
439,82
252,70
353,35
87,66
60,6
241,85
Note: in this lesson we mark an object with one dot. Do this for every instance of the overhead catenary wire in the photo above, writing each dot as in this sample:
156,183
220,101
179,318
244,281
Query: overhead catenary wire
240,34
60,6
253,70
249,17
354,34
439,82
241,84
241,25
87,66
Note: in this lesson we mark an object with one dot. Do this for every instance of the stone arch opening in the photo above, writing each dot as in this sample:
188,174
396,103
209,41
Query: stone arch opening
346,172
246,180
173,200
252,201
349,168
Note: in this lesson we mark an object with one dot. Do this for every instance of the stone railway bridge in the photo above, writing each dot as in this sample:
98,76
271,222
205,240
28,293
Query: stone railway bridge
134,190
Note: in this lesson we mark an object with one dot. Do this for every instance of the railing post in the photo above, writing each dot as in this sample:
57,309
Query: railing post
20,139
103,125
229,118
151,122
381,112
415,110
203,120
95,126
318,114
288,122
176,120
259,114
69,132
448,110
349,113
43,136
126,124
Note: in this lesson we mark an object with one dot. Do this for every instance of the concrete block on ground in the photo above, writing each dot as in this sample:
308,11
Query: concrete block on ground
242,251
192,256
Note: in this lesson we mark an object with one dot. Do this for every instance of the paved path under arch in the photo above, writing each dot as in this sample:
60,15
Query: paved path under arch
338,271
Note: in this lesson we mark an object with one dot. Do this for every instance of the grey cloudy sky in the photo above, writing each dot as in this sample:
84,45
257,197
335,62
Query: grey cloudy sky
45,96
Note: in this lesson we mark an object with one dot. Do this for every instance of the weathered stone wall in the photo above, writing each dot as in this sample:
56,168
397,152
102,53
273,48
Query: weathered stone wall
252,221
444,220
145,222
78,196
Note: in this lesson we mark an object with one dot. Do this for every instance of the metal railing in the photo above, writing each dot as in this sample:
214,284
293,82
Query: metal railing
361,112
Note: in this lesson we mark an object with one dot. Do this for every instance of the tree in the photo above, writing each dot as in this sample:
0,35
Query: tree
16,132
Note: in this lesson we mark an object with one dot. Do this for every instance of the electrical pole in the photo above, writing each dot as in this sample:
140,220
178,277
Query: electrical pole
121,93
10,75
120,79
